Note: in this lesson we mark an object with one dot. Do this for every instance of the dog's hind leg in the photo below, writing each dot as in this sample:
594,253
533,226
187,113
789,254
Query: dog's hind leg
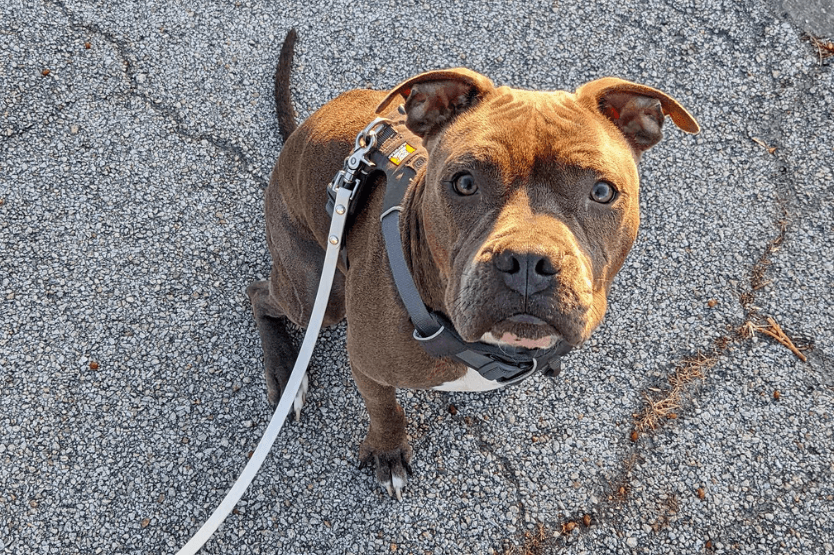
279,350
277,302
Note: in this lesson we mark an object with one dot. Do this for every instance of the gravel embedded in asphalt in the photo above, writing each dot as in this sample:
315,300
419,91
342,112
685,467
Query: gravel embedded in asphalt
135,143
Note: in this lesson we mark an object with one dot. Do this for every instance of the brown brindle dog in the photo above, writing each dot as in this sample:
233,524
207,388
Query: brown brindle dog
514,229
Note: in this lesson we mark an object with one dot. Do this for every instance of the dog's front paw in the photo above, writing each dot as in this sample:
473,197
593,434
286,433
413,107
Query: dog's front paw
392,467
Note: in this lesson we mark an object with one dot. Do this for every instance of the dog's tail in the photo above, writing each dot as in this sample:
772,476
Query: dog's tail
283,102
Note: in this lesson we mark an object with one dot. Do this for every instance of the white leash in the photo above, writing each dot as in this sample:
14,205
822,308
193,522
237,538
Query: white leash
337,227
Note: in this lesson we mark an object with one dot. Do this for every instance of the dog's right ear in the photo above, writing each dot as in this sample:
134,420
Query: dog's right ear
434,98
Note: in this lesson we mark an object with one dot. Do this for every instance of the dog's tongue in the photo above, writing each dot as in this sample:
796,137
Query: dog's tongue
513,339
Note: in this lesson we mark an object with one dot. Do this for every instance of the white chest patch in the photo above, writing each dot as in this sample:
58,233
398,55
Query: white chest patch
471,381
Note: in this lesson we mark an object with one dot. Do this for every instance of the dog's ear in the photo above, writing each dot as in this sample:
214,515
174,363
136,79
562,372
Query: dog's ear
434,98
636,109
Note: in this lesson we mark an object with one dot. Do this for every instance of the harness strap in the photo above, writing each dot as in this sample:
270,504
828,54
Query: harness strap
424,323
399,174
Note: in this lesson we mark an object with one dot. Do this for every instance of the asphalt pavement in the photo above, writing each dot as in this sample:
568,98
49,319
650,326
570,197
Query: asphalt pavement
136,140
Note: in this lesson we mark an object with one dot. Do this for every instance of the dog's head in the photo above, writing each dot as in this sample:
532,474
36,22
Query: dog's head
529,203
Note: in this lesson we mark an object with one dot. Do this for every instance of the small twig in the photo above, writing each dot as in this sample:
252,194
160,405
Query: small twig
824,48
761,283
775,331
761,143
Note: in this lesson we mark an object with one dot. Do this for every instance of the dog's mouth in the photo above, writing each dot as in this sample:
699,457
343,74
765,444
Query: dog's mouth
523,330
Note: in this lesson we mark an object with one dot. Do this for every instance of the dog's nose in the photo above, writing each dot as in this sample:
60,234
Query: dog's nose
526,273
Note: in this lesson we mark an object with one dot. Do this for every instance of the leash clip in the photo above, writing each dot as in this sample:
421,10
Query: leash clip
356,163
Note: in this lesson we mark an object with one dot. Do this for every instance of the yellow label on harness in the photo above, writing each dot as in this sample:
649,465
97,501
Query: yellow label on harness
403,151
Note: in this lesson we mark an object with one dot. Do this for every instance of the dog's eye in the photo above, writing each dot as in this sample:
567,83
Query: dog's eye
464,184
603,192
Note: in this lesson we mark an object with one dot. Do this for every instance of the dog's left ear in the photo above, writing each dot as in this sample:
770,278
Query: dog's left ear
636,109
433,99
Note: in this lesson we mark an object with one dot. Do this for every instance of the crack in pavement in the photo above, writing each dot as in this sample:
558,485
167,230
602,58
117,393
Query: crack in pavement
504,465
659,408
124,52
9,135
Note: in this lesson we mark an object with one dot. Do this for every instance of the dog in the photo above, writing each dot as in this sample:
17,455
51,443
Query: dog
512,230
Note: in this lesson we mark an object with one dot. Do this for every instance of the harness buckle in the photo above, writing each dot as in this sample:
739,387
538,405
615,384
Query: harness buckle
497,370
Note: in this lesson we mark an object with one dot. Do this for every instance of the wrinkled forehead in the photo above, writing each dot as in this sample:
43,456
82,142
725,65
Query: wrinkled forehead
519,129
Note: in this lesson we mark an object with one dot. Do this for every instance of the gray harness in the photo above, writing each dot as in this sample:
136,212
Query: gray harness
390,148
